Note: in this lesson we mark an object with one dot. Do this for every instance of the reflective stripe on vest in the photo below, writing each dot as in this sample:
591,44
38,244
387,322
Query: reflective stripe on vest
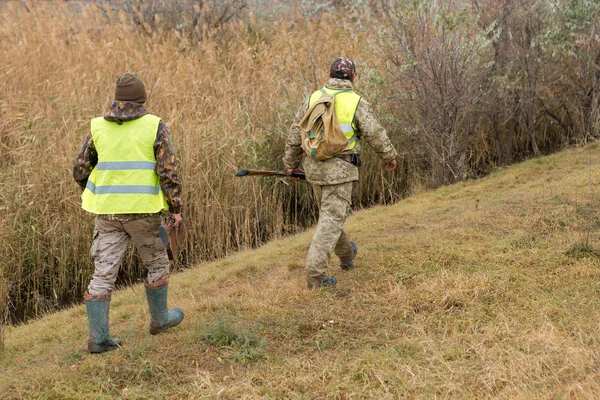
117,165
124,181
123,189
346,102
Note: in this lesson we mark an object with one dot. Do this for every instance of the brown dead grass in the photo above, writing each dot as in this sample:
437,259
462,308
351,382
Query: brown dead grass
465,292
227,100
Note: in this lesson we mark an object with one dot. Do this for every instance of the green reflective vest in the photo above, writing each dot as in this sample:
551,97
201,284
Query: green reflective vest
124,181
345,102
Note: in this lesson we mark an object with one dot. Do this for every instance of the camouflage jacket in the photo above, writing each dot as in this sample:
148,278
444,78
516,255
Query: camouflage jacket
166,167
335,170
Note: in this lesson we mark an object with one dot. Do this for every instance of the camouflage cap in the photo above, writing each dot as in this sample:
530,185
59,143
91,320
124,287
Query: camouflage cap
342,68
130,88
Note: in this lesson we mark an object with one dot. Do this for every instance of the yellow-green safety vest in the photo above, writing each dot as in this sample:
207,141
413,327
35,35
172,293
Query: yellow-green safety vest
124,181
345,102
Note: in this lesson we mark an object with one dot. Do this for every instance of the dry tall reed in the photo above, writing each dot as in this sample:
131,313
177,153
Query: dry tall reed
462,86
227,99
3,307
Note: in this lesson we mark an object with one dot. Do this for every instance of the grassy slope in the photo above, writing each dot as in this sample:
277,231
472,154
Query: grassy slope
467,291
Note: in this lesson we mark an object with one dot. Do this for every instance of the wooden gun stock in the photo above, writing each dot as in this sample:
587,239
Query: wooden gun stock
171,237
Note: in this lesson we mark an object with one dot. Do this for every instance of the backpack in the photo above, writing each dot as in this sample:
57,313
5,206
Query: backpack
322,135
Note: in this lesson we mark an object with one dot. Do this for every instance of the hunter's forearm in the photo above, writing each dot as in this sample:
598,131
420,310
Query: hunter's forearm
85,162
374,133
293,150
166,169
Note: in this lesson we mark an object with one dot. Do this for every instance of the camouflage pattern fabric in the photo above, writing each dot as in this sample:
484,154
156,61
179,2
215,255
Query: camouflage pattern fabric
108,248
332,182
166,167
336,170
342,68
334,203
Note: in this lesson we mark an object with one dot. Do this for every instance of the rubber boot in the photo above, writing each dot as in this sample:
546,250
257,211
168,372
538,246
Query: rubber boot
348,265
99,340
161,317
330,281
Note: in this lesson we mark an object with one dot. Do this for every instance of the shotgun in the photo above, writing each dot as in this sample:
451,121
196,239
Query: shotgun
258,172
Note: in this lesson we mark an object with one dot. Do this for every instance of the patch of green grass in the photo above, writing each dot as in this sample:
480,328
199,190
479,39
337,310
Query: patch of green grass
125,315
582,250
327,338
242,345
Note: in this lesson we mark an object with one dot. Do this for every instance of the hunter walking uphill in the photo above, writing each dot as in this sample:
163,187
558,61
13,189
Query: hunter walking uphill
128,174
332,178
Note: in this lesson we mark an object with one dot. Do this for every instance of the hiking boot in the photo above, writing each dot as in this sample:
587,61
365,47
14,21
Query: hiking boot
349,265
161,318
330,281
99,339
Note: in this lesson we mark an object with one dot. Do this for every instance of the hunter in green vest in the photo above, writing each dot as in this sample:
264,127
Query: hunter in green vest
124,181
128,174
332,178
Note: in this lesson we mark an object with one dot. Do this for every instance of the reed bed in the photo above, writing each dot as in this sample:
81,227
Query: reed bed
3,308
461,86
227,100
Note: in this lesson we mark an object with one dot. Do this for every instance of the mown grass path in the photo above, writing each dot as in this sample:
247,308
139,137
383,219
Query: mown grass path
482,289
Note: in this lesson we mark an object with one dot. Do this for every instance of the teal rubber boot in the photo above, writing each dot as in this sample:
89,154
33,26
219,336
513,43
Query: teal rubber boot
99,339
161,317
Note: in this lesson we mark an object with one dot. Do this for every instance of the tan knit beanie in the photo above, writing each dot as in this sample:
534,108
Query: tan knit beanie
130,88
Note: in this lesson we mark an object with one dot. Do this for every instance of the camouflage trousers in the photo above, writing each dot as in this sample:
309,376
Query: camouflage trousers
334,203
110,242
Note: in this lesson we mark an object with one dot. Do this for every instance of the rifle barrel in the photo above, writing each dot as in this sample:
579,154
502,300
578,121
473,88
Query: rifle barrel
246,172
258,172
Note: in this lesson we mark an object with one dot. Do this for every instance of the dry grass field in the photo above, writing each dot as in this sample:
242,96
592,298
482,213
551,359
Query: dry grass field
228,101
482,289
461,86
